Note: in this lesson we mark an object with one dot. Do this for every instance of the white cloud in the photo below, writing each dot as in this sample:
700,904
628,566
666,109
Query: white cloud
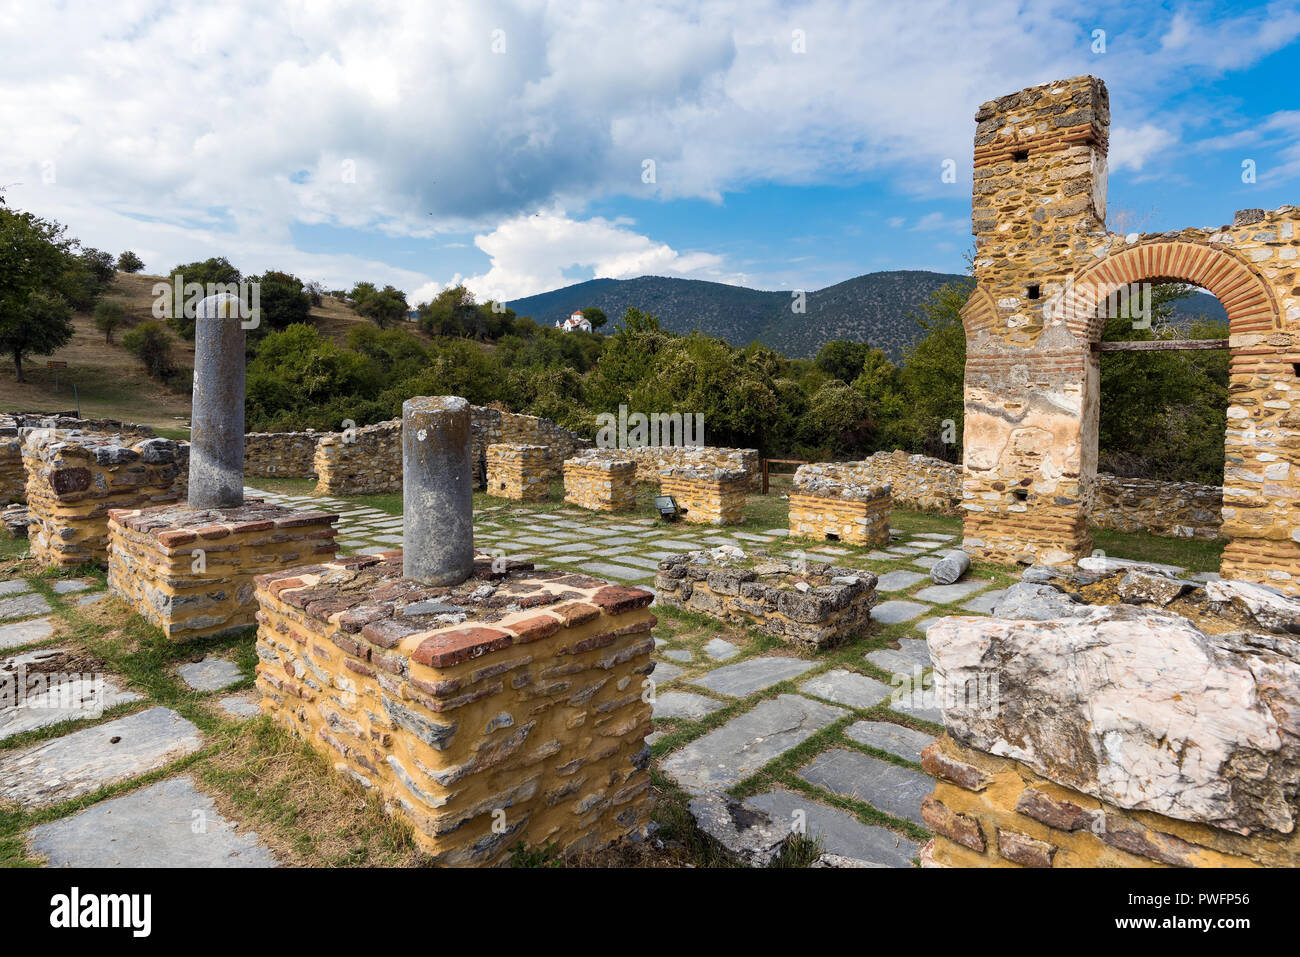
1132,147
531,254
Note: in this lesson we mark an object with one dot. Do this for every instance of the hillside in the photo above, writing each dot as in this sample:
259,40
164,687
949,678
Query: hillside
878,308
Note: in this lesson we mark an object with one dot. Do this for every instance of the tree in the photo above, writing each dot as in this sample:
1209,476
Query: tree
842,359
44,326
933,374
151,344
381,305
99,264
208,273
35,259
453,312
109,314
129,262
283,301
596,316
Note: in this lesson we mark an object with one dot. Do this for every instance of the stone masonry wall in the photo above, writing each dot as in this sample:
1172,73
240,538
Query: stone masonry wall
708,496
13,480
365,461
519,472
493,427
281,454
190,571
918,482
600,481
483,728
1170,509
75,479
652,460
1120,736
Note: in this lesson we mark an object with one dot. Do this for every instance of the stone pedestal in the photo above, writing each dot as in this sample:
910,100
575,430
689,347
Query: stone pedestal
602,482
190,571
519,472
75,478
838,511
708,496
811,605
481,724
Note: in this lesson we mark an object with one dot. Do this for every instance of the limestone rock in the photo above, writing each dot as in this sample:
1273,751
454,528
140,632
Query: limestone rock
1268,608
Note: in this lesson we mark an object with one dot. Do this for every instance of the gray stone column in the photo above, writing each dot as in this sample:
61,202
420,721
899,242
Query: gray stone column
437,490
217,414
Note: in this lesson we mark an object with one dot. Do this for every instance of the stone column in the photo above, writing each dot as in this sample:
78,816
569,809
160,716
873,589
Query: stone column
217,414
438,490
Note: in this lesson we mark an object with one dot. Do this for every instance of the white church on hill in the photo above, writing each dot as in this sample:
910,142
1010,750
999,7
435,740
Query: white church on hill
575,321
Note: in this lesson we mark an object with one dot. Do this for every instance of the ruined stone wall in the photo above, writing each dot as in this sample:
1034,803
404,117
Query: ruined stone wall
1169,509
918,482
708,496
519,472
281,454
828,502
365,461
483,731
600,481
652,460
493,427
13,480
1068,743
1047,274
74,479
190,571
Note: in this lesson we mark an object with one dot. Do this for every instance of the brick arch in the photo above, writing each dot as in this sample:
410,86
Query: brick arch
1242,291
979,313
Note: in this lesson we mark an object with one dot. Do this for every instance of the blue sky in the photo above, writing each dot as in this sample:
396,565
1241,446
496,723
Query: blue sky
794,145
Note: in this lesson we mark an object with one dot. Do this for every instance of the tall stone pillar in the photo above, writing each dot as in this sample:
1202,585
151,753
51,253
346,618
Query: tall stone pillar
438,490
217,414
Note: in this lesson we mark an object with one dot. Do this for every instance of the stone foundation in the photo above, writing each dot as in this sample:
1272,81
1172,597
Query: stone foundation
494,427
281,454
600,481
519,472
651,461
13,480
811,605
1114,736
482,724
75,479
190,571
918,482
824,507
707,496
366,461
1169,509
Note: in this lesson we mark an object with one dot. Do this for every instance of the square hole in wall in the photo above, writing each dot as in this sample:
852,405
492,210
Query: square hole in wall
1033,291
1020,155
1020,494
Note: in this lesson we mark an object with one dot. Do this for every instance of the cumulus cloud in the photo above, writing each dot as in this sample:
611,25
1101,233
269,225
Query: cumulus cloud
1132,147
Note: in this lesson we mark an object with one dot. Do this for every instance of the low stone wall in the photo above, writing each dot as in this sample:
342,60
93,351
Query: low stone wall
281,454
519,472
494,427
600,481
917,482
830,510
707,496
13,480
765,594
1170,509
652,460
483,728
1116,737
74,479
365,461
190,571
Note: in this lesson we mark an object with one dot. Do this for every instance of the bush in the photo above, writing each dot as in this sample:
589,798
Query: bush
151,344
109,314
129,262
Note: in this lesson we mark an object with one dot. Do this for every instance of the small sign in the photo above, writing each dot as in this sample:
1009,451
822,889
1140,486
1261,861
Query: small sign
56,365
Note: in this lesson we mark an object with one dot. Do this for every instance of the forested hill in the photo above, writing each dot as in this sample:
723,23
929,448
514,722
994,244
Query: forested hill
878,308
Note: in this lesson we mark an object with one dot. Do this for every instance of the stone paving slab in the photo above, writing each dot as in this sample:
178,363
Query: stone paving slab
14,586
943,594
906,743
168,824
68,586
925,708
664,672
74,697
911,653
679,544
840,832
727,755
936,536
719,649
238,706
894,612
210,674
927,561
753,674
887,787
679,654
983,604
92,598
898,580
25,632
847,687
22,606
684,704
621,572
84,761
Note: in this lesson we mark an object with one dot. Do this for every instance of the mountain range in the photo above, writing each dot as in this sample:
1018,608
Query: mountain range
879,308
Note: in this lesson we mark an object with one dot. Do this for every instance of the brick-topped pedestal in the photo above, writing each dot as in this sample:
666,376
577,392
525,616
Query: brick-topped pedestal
75,478
824,506
190,571
504,709
812,605
707,496
519,472
600,481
